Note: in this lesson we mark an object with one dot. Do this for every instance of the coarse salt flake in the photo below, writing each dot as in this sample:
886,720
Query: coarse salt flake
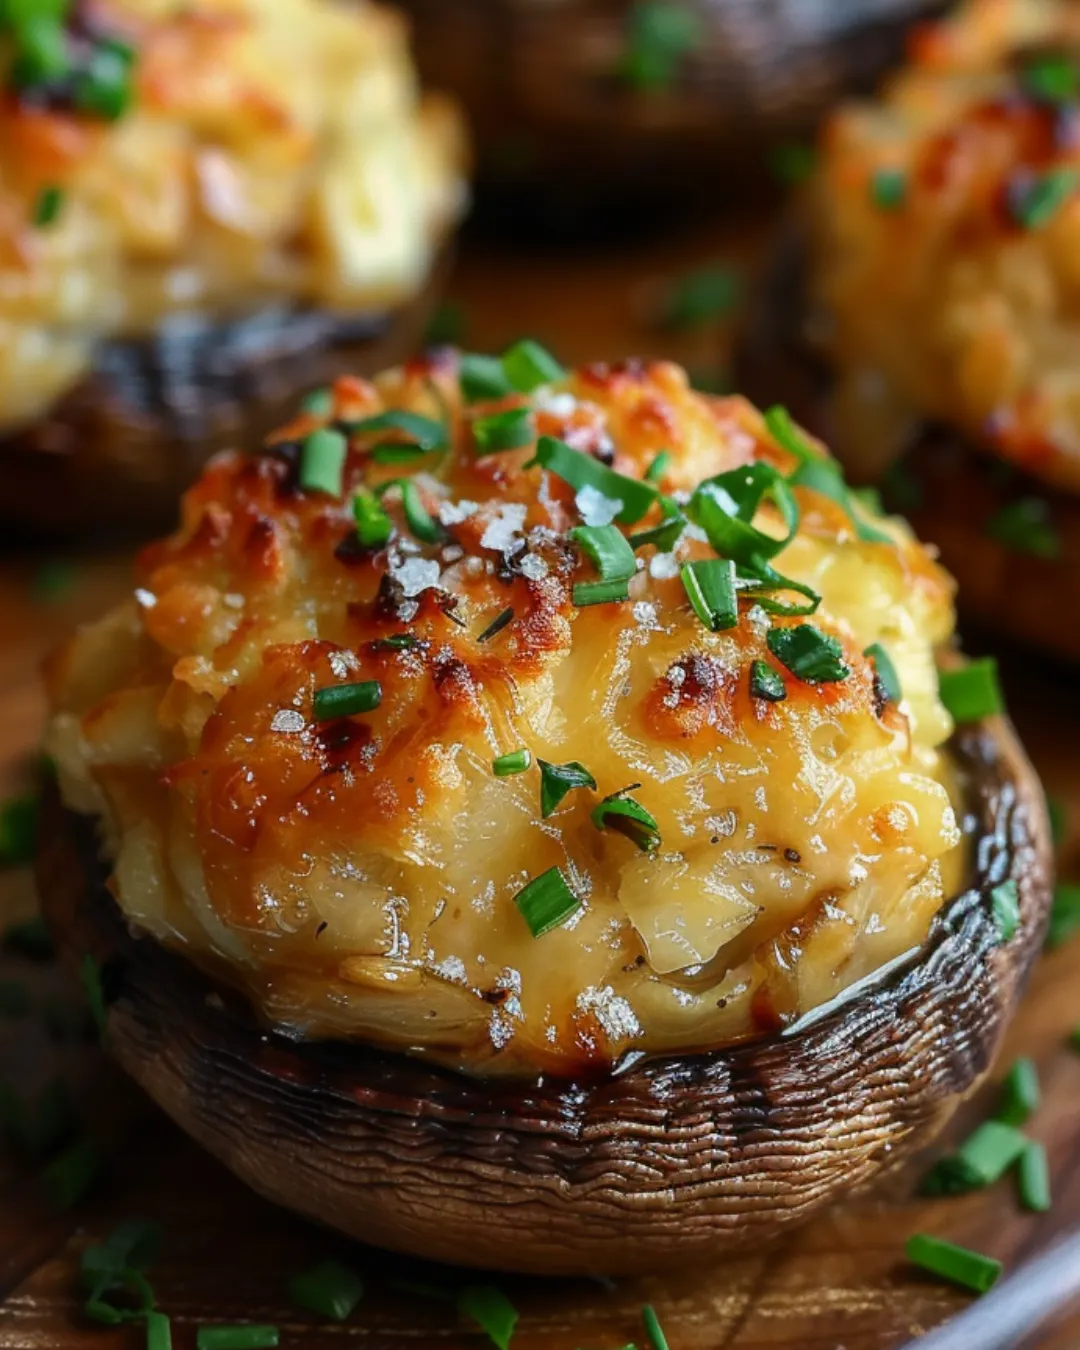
595,507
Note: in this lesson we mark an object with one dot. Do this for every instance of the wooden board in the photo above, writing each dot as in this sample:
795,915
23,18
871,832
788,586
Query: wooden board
839,1284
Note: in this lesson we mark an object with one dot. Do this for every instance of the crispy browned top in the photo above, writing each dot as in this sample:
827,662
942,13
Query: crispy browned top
358,873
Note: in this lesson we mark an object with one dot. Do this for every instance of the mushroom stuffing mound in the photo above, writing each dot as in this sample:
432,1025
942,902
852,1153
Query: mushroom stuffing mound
505,733
190,190
940,304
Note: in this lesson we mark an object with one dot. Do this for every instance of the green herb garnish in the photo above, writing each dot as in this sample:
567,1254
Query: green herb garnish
1052,79
1024,526
513,762
581,471
556,780
813,656
766,683
971,692
47,208
104,88
1020,1093
960,1265
725,506
1005,905
1035,201
489,1308
373,526
329,1289
322,461
508,430
419,520
483,377
660,465
707,294
630,818
710,588
885,671
318,403
888,188
653,1329
346,700
241,1337
527,366
1033,1178
659,36
608,550
420,435
588,593
158,1331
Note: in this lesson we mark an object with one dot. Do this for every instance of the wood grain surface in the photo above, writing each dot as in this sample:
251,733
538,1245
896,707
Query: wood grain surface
839,1284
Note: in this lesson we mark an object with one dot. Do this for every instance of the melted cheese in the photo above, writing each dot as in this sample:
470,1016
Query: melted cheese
947,306
358,876
277,151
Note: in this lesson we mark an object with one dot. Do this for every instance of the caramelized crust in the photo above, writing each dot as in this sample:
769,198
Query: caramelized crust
276,153
357,875
946,221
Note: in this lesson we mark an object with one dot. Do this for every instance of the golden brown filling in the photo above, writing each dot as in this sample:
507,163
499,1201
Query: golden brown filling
274,151
778,822
946,222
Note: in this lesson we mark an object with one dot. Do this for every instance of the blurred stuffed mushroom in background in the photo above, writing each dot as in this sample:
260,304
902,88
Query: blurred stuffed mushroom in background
204,208
923,309
611,99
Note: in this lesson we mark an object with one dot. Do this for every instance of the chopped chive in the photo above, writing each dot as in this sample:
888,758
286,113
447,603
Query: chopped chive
885,671
1074,1038
986,1155
546,902
667,534
660,465
1005,905
786,434
659,35
14,999
1064,913
1034,200
630,818
346,700
373,525
1020,1093
888,189
653,1329
725,506
606,547
322,462
556,780
242,1337
1052,79
528,365
514,761
766,683
158,1331
68,1177
90,977
18,829
105,88
47,208
41,50
483,377
960,1265
490,1309
758,582
329,1289
509,430
420,522
1024,526
30,937
394,452
497,624
827,477
971,692
710,588
422,432
588,593
707,294
102,1307
1033,1178
446,326
580,471
396,642
808,653
319,403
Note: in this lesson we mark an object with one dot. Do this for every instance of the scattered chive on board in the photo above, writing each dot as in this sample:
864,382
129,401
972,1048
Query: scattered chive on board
491,1310
346,700
546,902
969,1269
330,1289
710,293
240,1337
158,1331
1020,1093
1033,1178
653,1330
971,692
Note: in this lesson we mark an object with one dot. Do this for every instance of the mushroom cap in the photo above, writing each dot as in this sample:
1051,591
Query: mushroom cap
674,1160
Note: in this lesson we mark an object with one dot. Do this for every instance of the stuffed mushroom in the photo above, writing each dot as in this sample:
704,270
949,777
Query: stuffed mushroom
924,312
206,208
517,819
